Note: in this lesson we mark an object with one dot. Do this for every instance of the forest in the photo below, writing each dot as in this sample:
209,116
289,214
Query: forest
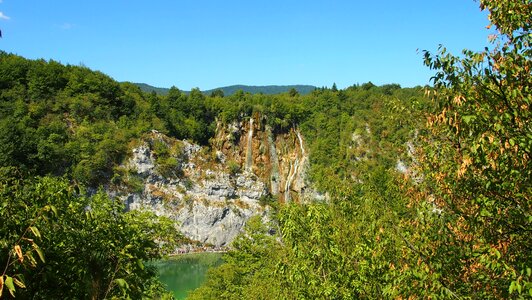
229,90
429,187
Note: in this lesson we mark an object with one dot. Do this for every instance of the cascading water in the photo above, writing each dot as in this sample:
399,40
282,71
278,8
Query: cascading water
294,169
275,179
249,150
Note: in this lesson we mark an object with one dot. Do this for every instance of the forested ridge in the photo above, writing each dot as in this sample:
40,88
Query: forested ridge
229,90
429,187
80,123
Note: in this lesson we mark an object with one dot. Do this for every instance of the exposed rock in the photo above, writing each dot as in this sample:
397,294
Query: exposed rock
143,160
211,199
211,224
409,169
401,167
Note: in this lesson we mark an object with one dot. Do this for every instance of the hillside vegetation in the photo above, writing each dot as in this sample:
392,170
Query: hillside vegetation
67,128
230,90
428,188
460,228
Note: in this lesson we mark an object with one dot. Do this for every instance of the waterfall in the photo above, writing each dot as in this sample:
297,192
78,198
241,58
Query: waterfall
249,150
289,182
303,154
274,161
300,143
294,168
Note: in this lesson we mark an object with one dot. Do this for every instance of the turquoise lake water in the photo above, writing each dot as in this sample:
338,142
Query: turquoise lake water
186,272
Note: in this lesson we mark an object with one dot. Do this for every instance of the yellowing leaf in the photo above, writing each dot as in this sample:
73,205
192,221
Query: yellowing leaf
18,251
19,283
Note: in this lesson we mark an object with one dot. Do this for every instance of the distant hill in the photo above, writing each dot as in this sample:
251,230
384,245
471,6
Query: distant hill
148,88
265,89
229,90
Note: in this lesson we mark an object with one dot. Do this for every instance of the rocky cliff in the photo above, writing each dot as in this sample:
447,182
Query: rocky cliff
212,191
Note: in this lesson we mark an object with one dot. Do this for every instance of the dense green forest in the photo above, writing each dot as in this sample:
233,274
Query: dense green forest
230,90
455,224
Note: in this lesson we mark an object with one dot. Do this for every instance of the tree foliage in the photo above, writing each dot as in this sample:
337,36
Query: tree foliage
480,158
56,243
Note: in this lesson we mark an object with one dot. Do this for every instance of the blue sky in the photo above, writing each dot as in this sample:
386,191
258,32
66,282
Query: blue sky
209,43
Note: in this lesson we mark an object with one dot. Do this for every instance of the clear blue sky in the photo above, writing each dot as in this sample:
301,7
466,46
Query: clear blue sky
209,43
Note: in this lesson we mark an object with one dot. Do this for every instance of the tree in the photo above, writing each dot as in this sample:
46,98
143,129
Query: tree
388,89
293,92
9,147
174,93
57,244
217,93
368,85
479,158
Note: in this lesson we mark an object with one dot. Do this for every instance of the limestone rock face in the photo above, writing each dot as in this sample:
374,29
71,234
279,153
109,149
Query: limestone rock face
210,206
216,225
279,159
143,160
212,192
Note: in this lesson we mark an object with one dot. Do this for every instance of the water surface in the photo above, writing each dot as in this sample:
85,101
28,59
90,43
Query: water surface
184,273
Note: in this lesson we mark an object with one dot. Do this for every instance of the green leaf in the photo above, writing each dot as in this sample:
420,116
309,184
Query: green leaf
488,184
35,231
53,209
140,264
474,148
50,208
39,252
468,119
498,254
10,286
485,213
122,283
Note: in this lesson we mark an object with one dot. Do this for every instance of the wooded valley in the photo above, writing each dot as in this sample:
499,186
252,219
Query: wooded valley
427,190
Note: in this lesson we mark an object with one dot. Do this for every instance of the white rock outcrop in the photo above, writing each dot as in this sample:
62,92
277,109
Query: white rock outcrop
210,206
212,192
